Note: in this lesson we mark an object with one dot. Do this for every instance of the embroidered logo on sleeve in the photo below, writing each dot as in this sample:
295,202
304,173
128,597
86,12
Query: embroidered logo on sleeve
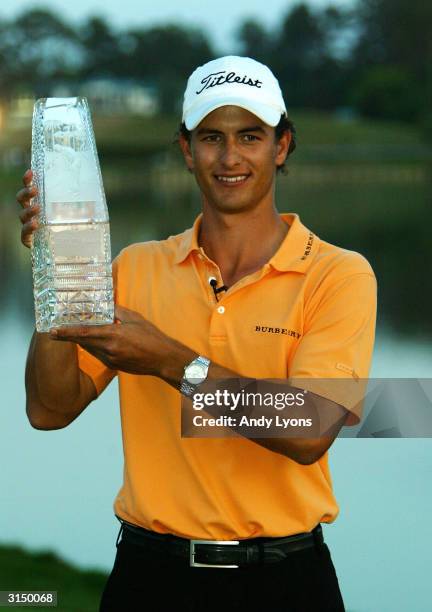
348,370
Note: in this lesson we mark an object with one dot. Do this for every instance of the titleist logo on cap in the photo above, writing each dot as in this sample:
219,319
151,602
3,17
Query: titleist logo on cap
221,78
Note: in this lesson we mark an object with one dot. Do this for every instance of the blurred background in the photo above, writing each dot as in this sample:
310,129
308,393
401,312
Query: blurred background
357,80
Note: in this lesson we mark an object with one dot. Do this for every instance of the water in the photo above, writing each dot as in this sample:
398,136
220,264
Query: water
72,276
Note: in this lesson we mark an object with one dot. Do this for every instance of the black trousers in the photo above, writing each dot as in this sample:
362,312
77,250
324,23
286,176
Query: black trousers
144,581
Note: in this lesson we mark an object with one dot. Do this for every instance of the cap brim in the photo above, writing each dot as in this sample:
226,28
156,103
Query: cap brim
268,114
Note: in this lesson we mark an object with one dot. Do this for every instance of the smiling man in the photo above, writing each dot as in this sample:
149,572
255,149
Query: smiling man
227,523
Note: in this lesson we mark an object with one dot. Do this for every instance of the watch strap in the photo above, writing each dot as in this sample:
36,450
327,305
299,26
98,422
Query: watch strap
186,388
203,360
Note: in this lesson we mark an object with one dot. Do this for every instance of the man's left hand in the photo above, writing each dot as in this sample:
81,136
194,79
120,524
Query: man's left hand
132,344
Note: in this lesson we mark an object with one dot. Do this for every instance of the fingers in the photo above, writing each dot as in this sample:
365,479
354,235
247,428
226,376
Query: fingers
27,177
27,231
27,215
29,191
28,219
81,333
24,196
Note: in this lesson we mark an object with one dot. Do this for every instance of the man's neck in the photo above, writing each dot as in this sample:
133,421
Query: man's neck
241,243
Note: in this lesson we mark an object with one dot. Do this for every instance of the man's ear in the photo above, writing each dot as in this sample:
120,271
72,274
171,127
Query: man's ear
187,152
283,147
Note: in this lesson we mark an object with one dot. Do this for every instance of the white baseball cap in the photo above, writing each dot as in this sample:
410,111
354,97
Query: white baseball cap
233,80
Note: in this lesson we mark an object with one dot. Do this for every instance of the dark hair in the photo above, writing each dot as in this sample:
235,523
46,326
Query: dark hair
284,125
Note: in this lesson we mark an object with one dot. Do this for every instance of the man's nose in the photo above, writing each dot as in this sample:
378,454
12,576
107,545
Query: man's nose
230,155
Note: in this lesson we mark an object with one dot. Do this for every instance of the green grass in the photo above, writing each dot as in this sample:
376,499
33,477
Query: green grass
315,128
77,590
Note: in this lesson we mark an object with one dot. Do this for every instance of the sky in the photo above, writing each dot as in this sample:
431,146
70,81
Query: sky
220,19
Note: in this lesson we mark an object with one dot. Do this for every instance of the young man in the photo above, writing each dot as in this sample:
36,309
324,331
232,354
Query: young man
246,292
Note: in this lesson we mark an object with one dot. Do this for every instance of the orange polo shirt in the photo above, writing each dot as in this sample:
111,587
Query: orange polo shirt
233,488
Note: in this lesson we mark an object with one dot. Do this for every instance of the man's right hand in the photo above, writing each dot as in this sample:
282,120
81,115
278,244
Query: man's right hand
27,215
57,391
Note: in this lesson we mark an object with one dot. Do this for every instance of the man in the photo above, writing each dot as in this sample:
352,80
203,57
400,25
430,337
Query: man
246,292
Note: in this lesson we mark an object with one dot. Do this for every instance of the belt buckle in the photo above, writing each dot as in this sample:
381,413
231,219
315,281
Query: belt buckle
211,542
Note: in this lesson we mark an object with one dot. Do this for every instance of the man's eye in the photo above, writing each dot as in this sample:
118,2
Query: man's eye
212,138
249,137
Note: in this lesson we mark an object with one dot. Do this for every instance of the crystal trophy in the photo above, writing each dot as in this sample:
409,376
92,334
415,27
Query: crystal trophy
71,251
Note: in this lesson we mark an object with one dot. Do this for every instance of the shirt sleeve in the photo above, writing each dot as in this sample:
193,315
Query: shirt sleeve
333,357
100,374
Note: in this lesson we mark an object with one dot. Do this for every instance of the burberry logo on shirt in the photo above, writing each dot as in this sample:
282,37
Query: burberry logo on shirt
308,245
277,330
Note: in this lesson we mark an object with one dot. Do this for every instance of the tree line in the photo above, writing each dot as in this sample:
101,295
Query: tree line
374,58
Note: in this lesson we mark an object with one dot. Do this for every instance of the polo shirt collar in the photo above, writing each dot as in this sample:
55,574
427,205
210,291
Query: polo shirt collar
295,254
298,249
189,241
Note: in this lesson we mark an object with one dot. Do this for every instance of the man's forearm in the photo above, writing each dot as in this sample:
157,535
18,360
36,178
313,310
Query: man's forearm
52,380
302,450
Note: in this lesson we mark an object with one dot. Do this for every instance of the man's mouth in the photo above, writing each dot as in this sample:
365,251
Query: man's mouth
232,180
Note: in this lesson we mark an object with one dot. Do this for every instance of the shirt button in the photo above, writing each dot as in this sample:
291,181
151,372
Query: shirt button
221,309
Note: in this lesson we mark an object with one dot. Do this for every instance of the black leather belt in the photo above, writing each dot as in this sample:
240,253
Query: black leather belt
226,553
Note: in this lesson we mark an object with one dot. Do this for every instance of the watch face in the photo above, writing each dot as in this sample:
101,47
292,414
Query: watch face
195,373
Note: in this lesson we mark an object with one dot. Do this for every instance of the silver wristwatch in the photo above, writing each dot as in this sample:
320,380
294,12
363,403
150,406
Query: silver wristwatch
194,374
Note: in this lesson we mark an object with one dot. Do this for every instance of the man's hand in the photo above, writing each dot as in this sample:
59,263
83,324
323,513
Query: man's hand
132,345
27,216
